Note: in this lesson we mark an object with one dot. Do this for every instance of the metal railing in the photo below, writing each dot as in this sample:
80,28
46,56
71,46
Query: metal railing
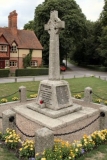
77,130
102,114
9,95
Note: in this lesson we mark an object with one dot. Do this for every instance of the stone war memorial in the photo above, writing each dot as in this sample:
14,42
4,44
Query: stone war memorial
54,92
54,108
54,96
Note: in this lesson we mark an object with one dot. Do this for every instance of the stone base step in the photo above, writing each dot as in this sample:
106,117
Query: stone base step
54,113
55,123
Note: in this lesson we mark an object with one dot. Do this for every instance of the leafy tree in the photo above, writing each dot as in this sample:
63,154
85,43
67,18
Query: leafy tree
92,43
29,25
27,59
103,38
103,15
75,27
103,46
82,41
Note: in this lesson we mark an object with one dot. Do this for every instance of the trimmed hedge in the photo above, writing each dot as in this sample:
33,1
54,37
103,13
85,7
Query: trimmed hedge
104,69
4,72
97,68
31,72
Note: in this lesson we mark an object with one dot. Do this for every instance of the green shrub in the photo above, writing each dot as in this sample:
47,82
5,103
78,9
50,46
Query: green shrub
97,68
98,100
4,72
31,72
103,69
4,100
78,96
11,138
28,149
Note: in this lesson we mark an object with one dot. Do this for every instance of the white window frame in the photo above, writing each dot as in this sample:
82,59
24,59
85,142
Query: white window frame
3,48
14,49
13,63
34,63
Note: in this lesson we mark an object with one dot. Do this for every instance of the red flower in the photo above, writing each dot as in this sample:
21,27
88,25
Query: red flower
41,101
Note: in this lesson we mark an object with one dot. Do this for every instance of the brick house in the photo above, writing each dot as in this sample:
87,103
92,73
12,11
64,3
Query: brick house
15,44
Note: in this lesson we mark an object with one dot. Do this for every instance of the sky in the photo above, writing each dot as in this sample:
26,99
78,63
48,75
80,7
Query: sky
26,8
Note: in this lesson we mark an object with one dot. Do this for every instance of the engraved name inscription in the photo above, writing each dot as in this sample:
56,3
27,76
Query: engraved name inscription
46,93
62,94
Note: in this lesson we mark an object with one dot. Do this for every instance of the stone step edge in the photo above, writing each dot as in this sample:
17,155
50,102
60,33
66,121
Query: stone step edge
54,113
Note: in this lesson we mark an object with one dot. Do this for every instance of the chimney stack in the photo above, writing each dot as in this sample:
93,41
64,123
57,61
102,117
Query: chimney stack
12,21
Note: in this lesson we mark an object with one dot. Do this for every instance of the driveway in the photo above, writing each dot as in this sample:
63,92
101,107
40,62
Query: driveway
80,72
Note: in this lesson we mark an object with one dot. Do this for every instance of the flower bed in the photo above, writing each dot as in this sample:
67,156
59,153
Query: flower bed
25,149
78,96
66,151
4,100
62,150
15,99
98,101
33,95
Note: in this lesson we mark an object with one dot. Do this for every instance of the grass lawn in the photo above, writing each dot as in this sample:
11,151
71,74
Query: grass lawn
98,154
6,155
6,89
77,85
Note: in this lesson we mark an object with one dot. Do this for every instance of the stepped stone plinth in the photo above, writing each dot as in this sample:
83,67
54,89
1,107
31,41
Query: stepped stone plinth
55,120
54,113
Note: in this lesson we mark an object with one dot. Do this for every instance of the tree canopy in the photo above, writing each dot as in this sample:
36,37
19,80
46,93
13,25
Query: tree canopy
75,26
29,25
82,40
103,37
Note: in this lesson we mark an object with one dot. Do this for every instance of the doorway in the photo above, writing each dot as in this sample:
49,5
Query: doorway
2,64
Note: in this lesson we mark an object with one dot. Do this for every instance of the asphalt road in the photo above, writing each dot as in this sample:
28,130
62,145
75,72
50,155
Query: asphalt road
72,72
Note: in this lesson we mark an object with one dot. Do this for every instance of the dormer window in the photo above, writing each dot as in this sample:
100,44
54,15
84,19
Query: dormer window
3,48
14,48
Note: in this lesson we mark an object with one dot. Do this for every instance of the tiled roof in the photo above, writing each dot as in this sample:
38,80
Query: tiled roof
25,39
1,34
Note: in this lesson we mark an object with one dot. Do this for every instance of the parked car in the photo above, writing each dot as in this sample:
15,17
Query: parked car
63,68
